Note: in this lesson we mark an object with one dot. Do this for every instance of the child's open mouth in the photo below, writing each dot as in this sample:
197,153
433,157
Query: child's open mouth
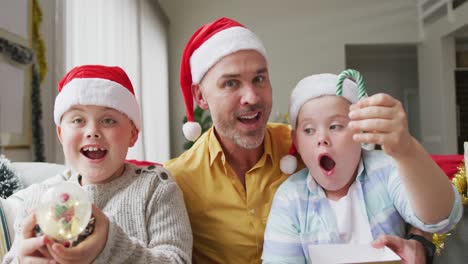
93,153
327,164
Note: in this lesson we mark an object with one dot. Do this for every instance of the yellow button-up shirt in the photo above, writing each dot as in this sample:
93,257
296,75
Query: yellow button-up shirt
227,221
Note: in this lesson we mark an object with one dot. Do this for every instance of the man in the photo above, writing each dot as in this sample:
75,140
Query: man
231,173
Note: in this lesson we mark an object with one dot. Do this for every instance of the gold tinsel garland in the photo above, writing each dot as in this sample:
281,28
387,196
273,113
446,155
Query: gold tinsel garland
37,41
460,181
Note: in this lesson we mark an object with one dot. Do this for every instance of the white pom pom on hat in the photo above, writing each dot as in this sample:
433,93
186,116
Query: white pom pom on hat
288,163
206,47
191,130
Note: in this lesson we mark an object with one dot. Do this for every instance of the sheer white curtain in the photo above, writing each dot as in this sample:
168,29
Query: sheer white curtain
131,34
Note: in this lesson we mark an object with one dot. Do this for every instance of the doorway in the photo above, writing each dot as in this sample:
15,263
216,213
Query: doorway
391,69
461,87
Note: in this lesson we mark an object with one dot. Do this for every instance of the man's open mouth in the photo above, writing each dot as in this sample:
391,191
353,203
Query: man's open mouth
249,119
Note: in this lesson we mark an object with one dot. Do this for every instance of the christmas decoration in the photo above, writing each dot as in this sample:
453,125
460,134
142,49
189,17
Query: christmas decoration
459,180
9,182
357,77
38,42
37,132
35,57
64,212
22,55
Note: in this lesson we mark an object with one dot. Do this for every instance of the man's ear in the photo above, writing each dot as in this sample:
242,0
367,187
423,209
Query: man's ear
198,96
59,133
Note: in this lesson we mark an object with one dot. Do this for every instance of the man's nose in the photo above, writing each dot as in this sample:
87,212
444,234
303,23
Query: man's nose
250,95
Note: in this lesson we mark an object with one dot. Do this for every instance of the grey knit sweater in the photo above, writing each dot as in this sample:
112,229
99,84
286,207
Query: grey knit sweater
146,210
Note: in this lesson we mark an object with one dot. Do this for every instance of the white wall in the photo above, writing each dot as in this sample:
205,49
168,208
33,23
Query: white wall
436,62
301,37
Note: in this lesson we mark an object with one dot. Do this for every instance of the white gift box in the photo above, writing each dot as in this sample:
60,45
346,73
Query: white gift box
351,253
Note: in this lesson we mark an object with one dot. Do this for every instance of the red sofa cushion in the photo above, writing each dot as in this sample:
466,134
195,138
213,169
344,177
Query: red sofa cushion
448,163
143,162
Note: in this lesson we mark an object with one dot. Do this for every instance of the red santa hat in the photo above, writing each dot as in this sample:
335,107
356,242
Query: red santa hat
309,88
209,44
97,85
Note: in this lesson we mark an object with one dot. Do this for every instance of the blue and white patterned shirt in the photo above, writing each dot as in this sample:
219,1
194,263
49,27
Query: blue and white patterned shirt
301,214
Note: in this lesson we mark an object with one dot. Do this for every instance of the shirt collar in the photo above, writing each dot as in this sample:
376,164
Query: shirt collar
361,175
214,147
267,149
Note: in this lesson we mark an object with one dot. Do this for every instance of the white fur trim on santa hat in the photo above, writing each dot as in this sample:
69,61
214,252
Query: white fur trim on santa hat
96,91
220,45
317,85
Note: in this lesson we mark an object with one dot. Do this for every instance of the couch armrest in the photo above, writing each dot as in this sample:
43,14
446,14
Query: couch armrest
8,213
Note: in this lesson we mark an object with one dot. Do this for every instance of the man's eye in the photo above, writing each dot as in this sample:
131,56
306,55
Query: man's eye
109,121
259,79
231,83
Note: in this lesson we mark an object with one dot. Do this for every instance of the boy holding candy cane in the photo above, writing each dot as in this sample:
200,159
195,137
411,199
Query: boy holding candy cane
347,195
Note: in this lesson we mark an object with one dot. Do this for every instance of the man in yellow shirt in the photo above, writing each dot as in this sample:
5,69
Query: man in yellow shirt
231,173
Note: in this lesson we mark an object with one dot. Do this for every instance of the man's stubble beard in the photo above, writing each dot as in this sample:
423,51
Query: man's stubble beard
249,140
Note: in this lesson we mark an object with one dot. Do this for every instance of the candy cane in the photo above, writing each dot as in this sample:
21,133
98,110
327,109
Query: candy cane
355,76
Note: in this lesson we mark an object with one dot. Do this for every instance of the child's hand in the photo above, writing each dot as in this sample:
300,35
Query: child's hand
383,119
87,250
33,249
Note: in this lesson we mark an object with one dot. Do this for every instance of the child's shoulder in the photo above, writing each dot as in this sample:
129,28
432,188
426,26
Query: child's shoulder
296,183
376,160
299,177
154,172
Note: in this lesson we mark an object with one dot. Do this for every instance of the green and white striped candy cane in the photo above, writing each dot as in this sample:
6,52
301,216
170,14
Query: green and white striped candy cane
355,76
